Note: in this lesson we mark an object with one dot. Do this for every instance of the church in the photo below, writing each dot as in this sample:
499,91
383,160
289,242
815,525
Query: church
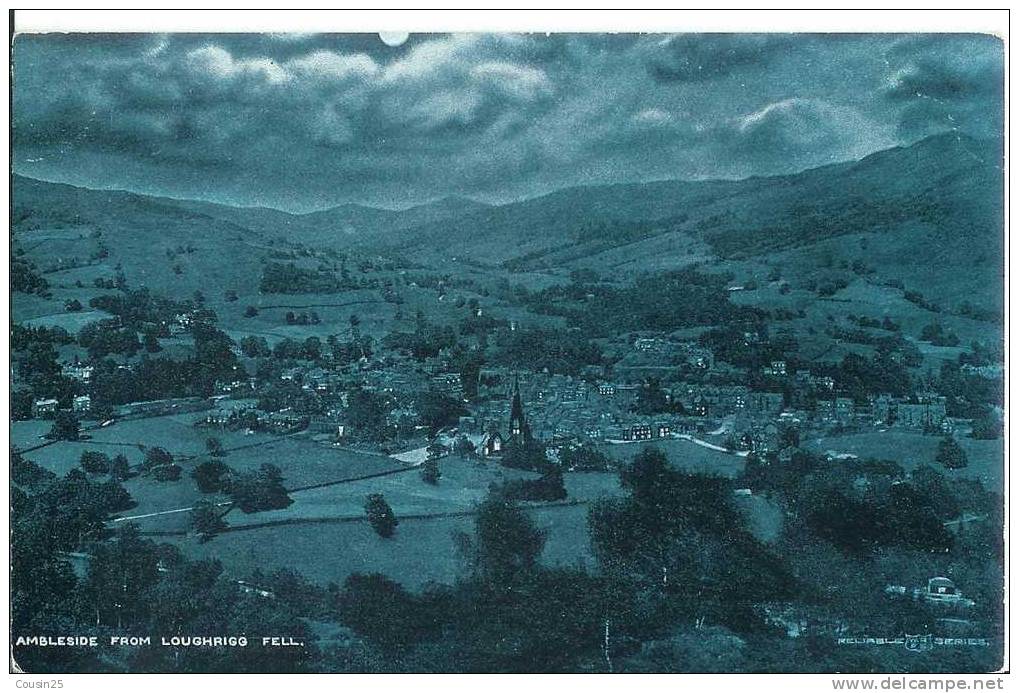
492,443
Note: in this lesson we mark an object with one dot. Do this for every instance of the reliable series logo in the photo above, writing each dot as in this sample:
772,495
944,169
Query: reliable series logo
915,643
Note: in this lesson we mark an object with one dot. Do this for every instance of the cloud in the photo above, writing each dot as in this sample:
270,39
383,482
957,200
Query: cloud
513,81
219,64
326,119
327,66
796,133
941,84
703,57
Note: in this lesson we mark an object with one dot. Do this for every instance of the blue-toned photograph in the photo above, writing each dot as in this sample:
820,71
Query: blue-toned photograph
507,353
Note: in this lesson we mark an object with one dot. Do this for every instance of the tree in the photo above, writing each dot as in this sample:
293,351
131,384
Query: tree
73,306
463,446
215,447
438,410
525,453
156,457
167,472
950,454
789,437
150,343
212,476
119,468
987,426
430,473
584,458
652,399
366,414
507,544
549,487
250,312
65,427
377,608
230,295
206,520
95,462
259,490
252,346
380,515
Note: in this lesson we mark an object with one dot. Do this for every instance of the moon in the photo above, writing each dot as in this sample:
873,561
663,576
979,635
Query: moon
394,38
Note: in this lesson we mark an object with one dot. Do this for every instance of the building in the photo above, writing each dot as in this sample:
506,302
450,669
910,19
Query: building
844,408
81,404
695,355
700,407
649,345
838,410
491,444
765,402
44,407
78,371
519,429
640,431
927,412
941,590
449,384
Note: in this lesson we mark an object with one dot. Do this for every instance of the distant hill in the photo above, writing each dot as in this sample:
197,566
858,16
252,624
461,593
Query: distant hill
370,225
932,212
929,214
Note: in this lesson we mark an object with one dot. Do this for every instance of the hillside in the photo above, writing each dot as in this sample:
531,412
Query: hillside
913,204
902,212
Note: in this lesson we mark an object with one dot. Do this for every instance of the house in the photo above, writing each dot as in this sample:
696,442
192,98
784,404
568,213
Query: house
640,431
844,408
882,408
776,368
249,588
840,410
78,371
606,390
449,384
81,403
700,407
226,387
649,345
491,444
695,355
745,441
941,590
44,407
291,374
927,412
765,402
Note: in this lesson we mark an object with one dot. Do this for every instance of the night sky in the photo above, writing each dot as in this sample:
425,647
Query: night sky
303,122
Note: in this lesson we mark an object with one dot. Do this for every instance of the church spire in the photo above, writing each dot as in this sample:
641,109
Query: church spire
518,424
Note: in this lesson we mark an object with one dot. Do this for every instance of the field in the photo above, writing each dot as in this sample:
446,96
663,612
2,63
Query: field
324,534
422,550
682,454
986,457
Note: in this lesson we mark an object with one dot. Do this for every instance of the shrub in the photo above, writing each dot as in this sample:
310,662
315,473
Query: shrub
380,515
